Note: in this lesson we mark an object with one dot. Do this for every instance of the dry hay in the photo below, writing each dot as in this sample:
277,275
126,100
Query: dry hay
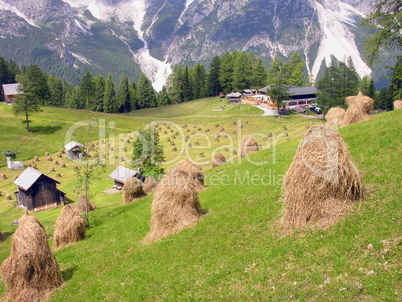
1,193
149,184
51,169
33,166
248,145
84,204
56,162
269,134
359,108
397,104
322,181
246,123
132,190
334,117
217,139
285,134
63,165
189,146
285,128
46,153
219,160
75,167
49,158
168,139
164,132
122,158
3,176
202,154
197,143
207,130
172,143
234,123
31,271
9,196
175,206
194,126
174,149
69,228
234,152
222,129
234,132
36,158
190,170
204,124
59,155
217,125
58,175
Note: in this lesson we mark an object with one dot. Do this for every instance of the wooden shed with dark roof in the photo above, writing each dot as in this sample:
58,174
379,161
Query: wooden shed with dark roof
10,91
37,191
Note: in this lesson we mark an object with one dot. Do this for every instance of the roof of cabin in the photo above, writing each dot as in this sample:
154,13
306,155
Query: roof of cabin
29,177
11,89
122,173
72,145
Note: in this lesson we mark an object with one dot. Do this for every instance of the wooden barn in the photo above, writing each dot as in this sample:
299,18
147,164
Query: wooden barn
73,150
10,91
37,191
120,175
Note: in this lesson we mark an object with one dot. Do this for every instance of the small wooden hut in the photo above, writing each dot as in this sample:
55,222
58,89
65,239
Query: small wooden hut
121,174
37,191
73,150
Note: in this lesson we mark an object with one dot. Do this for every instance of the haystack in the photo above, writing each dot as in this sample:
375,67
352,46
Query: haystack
190,170
84,203
3,176
9,196
175,206
46,153
69,228
149,184
334,116
30,219
218,160
397,105
31,271
248,145
36,158
359,108
132,190
322,182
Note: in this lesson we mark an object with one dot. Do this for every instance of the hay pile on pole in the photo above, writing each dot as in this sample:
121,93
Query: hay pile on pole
218,160
149,184
3,176
397,104
70,227
84,204
132,190
31,271
322,182
334,116
190,170
175,206
30,219
359,108
248,145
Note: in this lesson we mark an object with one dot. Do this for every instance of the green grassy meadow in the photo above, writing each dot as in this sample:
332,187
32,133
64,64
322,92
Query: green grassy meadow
239,250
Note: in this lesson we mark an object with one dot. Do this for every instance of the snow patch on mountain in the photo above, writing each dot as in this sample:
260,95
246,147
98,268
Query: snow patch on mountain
13,9
337,39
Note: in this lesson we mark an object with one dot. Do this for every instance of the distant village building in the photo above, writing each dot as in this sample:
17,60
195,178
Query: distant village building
300,96
15,165
37,191
121,174
73,150
234,97
10,91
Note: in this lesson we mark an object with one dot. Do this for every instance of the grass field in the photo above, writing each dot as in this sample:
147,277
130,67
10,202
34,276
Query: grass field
238,251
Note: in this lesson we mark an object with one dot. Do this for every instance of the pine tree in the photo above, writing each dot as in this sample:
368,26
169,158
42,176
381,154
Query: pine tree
133,96
199,76
164,99
187,90
145,93
99,93
87,89
296,70
363,85
251,62
259,75
123,95
68,89
226,73
175,91
241,69
56,91
75,100
275,69
109,99
213,85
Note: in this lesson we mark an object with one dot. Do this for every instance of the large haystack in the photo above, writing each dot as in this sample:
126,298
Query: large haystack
218,160
175,206
149,184
31,271
397,105
70,227
248,145
359,108
335,116
192,171
132,190
84,204
322,181
30,219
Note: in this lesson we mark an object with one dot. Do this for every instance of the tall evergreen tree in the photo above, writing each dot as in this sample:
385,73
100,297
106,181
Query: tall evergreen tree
99,93
36,81
175,92
251,63
4,75
123,95
75,100
187,90
213,85
133,96
296,70
145,93
226,73
199,76
56,91
241,72
259,75
87,89
68,89
275,69
109,99
396,80
164,99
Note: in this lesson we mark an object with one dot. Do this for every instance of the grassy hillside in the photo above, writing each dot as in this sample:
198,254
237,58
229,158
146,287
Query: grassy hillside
238,251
